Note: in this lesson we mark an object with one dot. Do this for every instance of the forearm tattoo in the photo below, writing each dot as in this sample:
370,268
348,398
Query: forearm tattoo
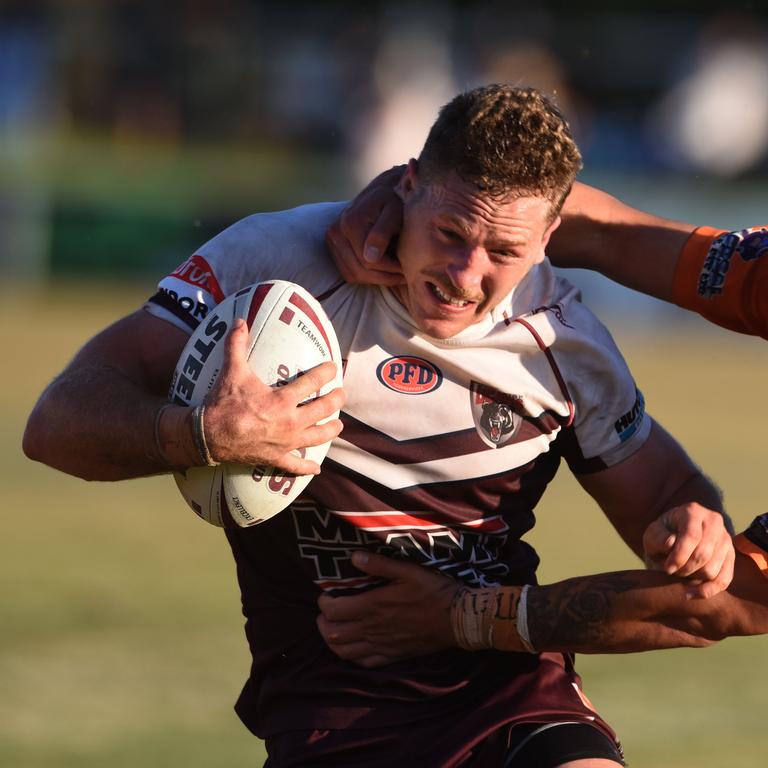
575,612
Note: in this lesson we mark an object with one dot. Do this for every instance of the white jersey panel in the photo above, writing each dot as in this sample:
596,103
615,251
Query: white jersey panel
541,363
285,245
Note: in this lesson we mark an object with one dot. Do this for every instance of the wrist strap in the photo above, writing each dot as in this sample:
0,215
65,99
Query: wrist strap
158,447
522,620
198,421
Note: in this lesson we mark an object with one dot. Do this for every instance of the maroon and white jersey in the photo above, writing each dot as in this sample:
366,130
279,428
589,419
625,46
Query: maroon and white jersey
447,447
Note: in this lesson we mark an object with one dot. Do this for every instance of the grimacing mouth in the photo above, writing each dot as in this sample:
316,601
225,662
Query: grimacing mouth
451,298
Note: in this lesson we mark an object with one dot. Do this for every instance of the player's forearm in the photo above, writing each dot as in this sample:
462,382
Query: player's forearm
622,612
630,246
642,611
96,423
615,613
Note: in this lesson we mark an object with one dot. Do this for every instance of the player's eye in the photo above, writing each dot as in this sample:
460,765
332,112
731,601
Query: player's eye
503,254
450,234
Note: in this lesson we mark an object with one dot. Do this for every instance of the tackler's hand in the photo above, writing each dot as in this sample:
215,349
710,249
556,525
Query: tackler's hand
359,240
694,542
249,422
408,616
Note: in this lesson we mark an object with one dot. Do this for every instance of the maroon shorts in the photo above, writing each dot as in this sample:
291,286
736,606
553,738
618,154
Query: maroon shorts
520,746
480,733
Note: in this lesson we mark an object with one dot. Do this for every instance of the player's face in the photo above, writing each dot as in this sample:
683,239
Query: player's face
462,252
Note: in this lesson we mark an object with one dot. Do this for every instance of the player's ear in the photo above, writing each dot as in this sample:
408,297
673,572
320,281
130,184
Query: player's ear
545,239
408,181
550,229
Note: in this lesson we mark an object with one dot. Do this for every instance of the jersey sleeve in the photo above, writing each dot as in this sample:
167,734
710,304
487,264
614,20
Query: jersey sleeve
724,277
282,245
608,421
754,543
186,296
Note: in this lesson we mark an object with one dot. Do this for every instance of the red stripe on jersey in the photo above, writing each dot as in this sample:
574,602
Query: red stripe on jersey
381,521
378,521
197,271
365,581
297,301
257,300
494,524
512,493
551,359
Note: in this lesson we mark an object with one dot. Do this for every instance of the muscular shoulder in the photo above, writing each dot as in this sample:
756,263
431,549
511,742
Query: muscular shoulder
282,245
608,422
552,307
287,245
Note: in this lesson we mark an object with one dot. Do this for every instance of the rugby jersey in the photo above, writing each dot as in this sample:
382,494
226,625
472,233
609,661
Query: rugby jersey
447,447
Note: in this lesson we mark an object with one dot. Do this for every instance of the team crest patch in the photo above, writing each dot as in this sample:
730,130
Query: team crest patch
409,375
496,414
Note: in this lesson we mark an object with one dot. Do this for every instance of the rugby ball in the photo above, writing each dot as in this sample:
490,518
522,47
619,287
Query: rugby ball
289,333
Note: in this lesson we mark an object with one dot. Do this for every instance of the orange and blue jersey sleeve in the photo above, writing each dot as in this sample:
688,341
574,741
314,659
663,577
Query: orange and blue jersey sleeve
754,543
724,277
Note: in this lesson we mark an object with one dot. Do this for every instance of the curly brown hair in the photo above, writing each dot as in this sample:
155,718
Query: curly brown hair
506,141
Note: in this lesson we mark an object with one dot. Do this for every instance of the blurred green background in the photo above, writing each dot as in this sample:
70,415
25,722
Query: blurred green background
131,131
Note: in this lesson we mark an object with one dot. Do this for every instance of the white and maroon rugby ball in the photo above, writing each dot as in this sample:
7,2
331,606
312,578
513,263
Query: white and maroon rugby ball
289,333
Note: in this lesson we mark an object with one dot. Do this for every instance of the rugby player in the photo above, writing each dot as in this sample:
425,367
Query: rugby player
443,472
721,275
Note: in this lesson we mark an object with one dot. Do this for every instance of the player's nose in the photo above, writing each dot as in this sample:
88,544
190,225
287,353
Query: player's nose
466,268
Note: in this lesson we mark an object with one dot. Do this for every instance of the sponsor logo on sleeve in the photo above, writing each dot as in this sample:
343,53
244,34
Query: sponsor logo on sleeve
754,244
191,291
409,375
628,424
194,306
749,244
496,414
197,272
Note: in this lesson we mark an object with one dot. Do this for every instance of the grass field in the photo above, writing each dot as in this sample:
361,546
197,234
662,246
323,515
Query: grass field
121,641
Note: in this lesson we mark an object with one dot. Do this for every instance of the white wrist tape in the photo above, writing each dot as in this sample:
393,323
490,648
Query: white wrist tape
522,620
470,619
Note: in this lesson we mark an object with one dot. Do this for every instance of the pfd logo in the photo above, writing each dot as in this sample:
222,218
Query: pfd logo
409,375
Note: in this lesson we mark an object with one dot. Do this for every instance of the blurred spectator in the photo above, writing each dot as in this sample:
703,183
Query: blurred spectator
24,69
412,80
715,119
